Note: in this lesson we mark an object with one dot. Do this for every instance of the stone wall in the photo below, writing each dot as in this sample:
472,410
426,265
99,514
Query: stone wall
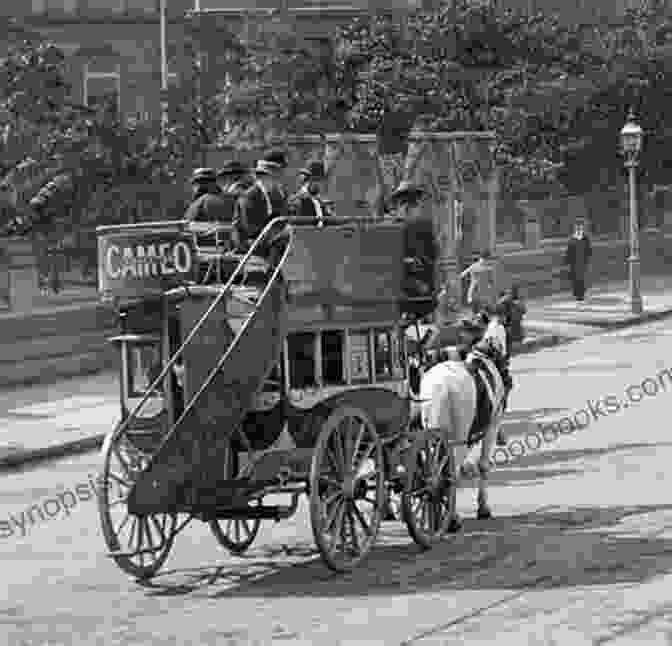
541,271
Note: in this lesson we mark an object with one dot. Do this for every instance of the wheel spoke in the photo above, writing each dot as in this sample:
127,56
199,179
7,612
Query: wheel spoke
331,517
338,523
330,500
159,528
120,481
333,458
338,442
362,521
367,455
358,441
148,532
353,531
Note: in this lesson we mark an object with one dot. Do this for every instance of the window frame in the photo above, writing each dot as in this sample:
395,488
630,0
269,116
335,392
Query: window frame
89,75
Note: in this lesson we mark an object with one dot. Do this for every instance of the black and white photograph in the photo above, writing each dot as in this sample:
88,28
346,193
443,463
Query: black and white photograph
334,322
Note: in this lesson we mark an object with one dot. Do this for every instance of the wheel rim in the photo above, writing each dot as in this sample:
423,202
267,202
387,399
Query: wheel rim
429,499
347,489
235,534
145,541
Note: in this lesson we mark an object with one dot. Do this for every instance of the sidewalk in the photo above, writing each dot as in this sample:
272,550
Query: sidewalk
72,416
72,297
56,420
606,308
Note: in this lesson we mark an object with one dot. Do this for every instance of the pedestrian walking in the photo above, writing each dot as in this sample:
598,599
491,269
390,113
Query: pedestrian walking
577,258
482,282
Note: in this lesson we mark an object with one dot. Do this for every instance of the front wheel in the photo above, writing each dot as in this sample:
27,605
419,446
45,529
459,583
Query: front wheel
236,535
428,503
139,544
347,488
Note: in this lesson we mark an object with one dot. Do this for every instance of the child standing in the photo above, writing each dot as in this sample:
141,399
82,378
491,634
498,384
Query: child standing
482,282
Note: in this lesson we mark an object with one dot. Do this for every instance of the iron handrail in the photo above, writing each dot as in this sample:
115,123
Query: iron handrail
223,292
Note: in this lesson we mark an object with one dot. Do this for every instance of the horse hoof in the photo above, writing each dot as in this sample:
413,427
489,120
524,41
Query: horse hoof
454,526
501,439
484,513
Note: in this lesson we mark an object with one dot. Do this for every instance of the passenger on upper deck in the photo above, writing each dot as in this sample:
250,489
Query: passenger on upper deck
265,200
421,249
235,178
208,204
307,202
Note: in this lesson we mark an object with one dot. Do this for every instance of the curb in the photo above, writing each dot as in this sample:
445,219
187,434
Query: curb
22,458
650,317
26,457
541,343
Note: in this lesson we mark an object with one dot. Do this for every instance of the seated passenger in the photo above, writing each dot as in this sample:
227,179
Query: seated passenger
307,201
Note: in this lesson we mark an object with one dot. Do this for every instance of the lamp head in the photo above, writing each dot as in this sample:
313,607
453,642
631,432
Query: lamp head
631,138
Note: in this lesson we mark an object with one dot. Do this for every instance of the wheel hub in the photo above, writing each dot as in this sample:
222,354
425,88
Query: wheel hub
349,485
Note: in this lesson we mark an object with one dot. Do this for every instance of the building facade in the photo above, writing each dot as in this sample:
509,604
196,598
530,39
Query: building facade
113,46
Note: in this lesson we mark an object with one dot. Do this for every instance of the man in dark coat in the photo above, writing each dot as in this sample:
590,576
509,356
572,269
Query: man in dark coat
234,177
210,209
209,203
265,200
577,257
307,202
420,245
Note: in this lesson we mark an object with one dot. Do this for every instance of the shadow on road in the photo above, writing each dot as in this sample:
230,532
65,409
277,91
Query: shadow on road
523,468
576,547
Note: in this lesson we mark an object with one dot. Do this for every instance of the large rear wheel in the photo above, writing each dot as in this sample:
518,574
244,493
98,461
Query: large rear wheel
347,488
429,500
139,544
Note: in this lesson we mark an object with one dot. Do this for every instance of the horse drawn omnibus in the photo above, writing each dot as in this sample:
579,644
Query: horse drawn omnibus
306,343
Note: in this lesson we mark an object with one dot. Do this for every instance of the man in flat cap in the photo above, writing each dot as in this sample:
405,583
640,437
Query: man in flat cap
307,202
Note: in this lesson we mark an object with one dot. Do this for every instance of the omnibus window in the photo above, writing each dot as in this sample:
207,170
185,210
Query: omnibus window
360,361
332,357
301,351
144,366
384,354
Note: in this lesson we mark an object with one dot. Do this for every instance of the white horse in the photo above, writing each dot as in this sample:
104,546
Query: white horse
447,402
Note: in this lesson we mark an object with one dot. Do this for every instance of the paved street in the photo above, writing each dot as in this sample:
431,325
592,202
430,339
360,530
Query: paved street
580,551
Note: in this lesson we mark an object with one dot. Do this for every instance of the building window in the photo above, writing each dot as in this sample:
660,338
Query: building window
142,6
102,86
57,7
101,7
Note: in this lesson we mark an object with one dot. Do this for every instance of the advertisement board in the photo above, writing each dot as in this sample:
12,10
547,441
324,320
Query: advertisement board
136,262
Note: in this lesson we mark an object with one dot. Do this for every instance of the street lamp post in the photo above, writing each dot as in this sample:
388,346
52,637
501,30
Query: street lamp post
164,73
631,145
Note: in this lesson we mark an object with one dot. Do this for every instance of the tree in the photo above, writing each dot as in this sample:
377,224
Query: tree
279,84
471,66
98,158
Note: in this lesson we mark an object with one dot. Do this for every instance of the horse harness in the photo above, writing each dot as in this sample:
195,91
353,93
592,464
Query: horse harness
484,373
